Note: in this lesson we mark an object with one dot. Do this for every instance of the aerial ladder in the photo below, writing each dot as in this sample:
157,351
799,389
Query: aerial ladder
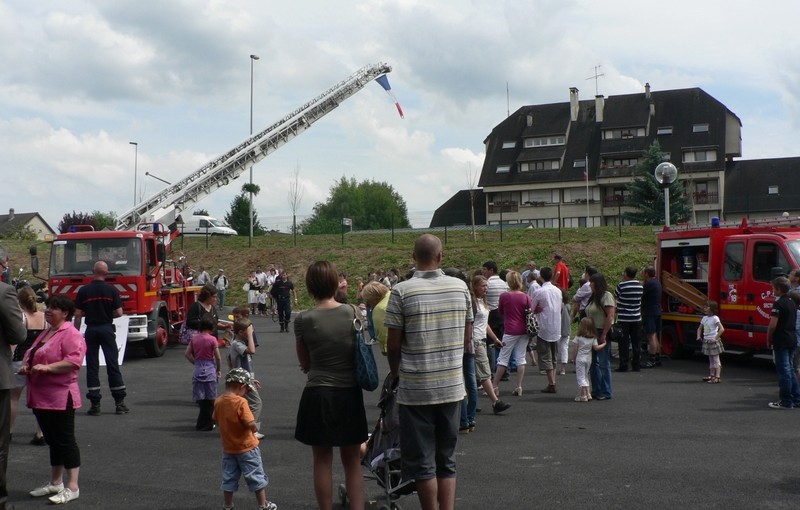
166,206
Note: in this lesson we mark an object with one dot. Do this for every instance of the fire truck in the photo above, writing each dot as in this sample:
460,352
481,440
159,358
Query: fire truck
732,264
155,296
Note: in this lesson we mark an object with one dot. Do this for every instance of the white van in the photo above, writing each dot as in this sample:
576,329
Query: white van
206,225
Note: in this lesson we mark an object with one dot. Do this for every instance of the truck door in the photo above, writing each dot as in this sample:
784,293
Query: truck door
732,300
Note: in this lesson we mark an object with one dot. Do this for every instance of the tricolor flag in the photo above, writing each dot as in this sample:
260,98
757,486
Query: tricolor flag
384,82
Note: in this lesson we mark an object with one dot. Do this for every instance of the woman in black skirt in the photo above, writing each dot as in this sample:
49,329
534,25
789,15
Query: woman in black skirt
331,409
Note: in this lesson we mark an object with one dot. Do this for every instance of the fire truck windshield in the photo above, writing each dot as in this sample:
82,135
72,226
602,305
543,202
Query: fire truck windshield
77,257
794,249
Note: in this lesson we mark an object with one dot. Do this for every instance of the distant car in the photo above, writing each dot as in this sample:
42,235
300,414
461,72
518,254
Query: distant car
206,225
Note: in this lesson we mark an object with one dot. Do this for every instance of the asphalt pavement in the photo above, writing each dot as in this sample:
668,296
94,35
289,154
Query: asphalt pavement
666,440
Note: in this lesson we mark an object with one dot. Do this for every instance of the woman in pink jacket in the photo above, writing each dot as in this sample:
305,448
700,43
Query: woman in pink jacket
52,365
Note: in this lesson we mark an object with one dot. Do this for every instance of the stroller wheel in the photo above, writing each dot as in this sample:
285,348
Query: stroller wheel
342,494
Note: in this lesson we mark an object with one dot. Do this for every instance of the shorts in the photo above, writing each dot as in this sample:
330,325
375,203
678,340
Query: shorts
247,464
428,436
482,369
329,416
650,324
20,380
548,353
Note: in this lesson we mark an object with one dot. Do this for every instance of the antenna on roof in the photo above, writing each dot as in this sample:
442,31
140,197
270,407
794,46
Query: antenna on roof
508,102
597,74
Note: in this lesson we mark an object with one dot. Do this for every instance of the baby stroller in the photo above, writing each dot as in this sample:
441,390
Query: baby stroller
382,456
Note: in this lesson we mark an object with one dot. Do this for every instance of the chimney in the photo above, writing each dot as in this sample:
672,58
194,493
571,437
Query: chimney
647,90
599,104
11,214
530,120
573,103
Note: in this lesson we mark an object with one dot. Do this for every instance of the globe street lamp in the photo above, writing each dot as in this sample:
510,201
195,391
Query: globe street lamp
665,174
253,58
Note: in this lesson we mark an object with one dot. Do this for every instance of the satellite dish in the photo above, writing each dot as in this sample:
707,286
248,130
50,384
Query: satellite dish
666,173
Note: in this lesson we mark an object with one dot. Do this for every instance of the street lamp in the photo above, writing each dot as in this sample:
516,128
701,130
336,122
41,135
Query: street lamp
253,58
135,170
665,174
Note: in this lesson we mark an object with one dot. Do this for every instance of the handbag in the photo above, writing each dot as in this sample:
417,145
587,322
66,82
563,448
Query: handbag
186,334
366,370
615,334
531,323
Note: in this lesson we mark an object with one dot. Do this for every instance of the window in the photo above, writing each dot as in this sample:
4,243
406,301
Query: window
612,134
700,128
579,163
768,259
540,166
734,260
538,196
509,145
544,141
666,130
620,162
772,190
504,169
699,156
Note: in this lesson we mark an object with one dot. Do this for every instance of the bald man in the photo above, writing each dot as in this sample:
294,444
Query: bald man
429,320
100,303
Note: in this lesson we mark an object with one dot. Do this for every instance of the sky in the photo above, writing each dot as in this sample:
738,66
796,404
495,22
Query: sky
81,79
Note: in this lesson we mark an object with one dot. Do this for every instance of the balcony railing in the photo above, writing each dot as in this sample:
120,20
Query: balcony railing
705,197
615,200
508,206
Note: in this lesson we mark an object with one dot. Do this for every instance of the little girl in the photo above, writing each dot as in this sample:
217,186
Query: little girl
710,333
585,341
203,351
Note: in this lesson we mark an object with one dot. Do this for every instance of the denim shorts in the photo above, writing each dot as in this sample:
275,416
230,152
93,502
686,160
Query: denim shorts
234,466
650,323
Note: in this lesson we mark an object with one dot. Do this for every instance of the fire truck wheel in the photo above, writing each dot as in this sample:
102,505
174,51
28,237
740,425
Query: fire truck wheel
672,346
156,345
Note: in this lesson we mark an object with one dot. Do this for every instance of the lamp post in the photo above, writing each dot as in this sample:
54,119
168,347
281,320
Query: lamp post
253,58
665,174
135,170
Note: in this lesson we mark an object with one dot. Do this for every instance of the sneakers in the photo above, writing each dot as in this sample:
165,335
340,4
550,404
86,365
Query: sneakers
94,410
269,506
46,490
779,405
463,429
122,408
64,496
551,388
38,441
259,436
499,406
581,398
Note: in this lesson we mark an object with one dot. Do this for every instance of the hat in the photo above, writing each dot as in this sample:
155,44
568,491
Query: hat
221,270
239,376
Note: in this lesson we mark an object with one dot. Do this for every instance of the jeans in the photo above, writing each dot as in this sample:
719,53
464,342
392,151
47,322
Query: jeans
630,341
787,381
469,405
102,337
220,298
601,370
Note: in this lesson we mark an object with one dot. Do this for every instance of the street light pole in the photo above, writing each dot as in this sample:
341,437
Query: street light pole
135,170
253,58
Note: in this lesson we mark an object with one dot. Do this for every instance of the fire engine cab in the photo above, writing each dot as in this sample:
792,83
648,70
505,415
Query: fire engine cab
730,264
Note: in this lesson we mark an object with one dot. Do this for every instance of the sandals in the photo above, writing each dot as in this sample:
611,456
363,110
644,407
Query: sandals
714,380
708,379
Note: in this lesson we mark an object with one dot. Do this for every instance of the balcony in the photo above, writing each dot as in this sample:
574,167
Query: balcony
616,171
705,197
507,206
615,201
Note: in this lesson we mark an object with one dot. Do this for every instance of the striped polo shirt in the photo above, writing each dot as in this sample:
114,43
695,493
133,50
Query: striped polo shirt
433,310
629,301
496,286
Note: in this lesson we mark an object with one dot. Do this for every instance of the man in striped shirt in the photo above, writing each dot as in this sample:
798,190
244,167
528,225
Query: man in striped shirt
429,319
629,316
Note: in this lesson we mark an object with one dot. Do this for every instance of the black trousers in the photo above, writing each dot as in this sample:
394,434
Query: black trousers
630,342
58,428
284,311
103,337
5,439
205,420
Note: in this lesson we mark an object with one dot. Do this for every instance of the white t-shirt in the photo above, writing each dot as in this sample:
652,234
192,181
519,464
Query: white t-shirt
585,346
710,325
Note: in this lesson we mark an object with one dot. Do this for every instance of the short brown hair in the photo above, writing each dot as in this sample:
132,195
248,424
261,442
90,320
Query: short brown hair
240,325
322,280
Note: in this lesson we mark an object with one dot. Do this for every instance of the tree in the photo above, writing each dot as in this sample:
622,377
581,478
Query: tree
371,205
237,217
295,196
200,212
647,196
105,221
76,218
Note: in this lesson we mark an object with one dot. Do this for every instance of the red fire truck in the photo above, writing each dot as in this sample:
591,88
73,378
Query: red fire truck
730,264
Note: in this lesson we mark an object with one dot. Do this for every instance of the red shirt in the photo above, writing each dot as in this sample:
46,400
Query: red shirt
561,275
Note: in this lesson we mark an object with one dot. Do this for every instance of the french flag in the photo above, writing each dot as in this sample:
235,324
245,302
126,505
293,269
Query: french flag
384,82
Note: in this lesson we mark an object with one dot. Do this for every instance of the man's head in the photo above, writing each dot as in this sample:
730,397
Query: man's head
427,252
781,285
489,268
221,272
258,269
629,273
649,272
557,257
546,274
100,270
589,271
531,265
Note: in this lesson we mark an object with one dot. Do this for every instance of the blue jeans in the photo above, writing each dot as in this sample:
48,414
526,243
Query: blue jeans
601,370
220,298
788,386
469,405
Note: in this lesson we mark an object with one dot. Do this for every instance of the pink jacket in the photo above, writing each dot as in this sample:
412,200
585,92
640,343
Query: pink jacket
50,391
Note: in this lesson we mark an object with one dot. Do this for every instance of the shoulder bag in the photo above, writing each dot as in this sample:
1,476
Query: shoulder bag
366,370
531,323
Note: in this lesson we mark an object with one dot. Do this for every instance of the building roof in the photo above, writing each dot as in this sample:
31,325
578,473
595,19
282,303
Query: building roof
15,220
762,185
456,211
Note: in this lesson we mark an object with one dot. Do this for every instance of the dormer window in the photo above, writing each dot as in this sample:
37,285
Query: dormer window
509,145
544,141
504,169
666,130
623,133
700,128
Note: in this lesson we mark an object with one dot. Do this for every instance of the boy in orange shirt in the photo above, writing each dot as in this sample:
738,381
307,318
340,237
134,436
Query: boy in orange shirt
240,452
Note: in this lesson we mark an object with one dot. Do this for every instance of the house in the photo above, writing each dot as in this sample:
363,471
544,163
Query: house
13,222
762,188
569,163
457,210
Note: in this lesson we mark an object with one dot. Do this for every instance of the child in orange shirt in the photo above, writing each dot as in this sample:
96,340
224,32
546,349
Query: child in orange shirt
240,452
